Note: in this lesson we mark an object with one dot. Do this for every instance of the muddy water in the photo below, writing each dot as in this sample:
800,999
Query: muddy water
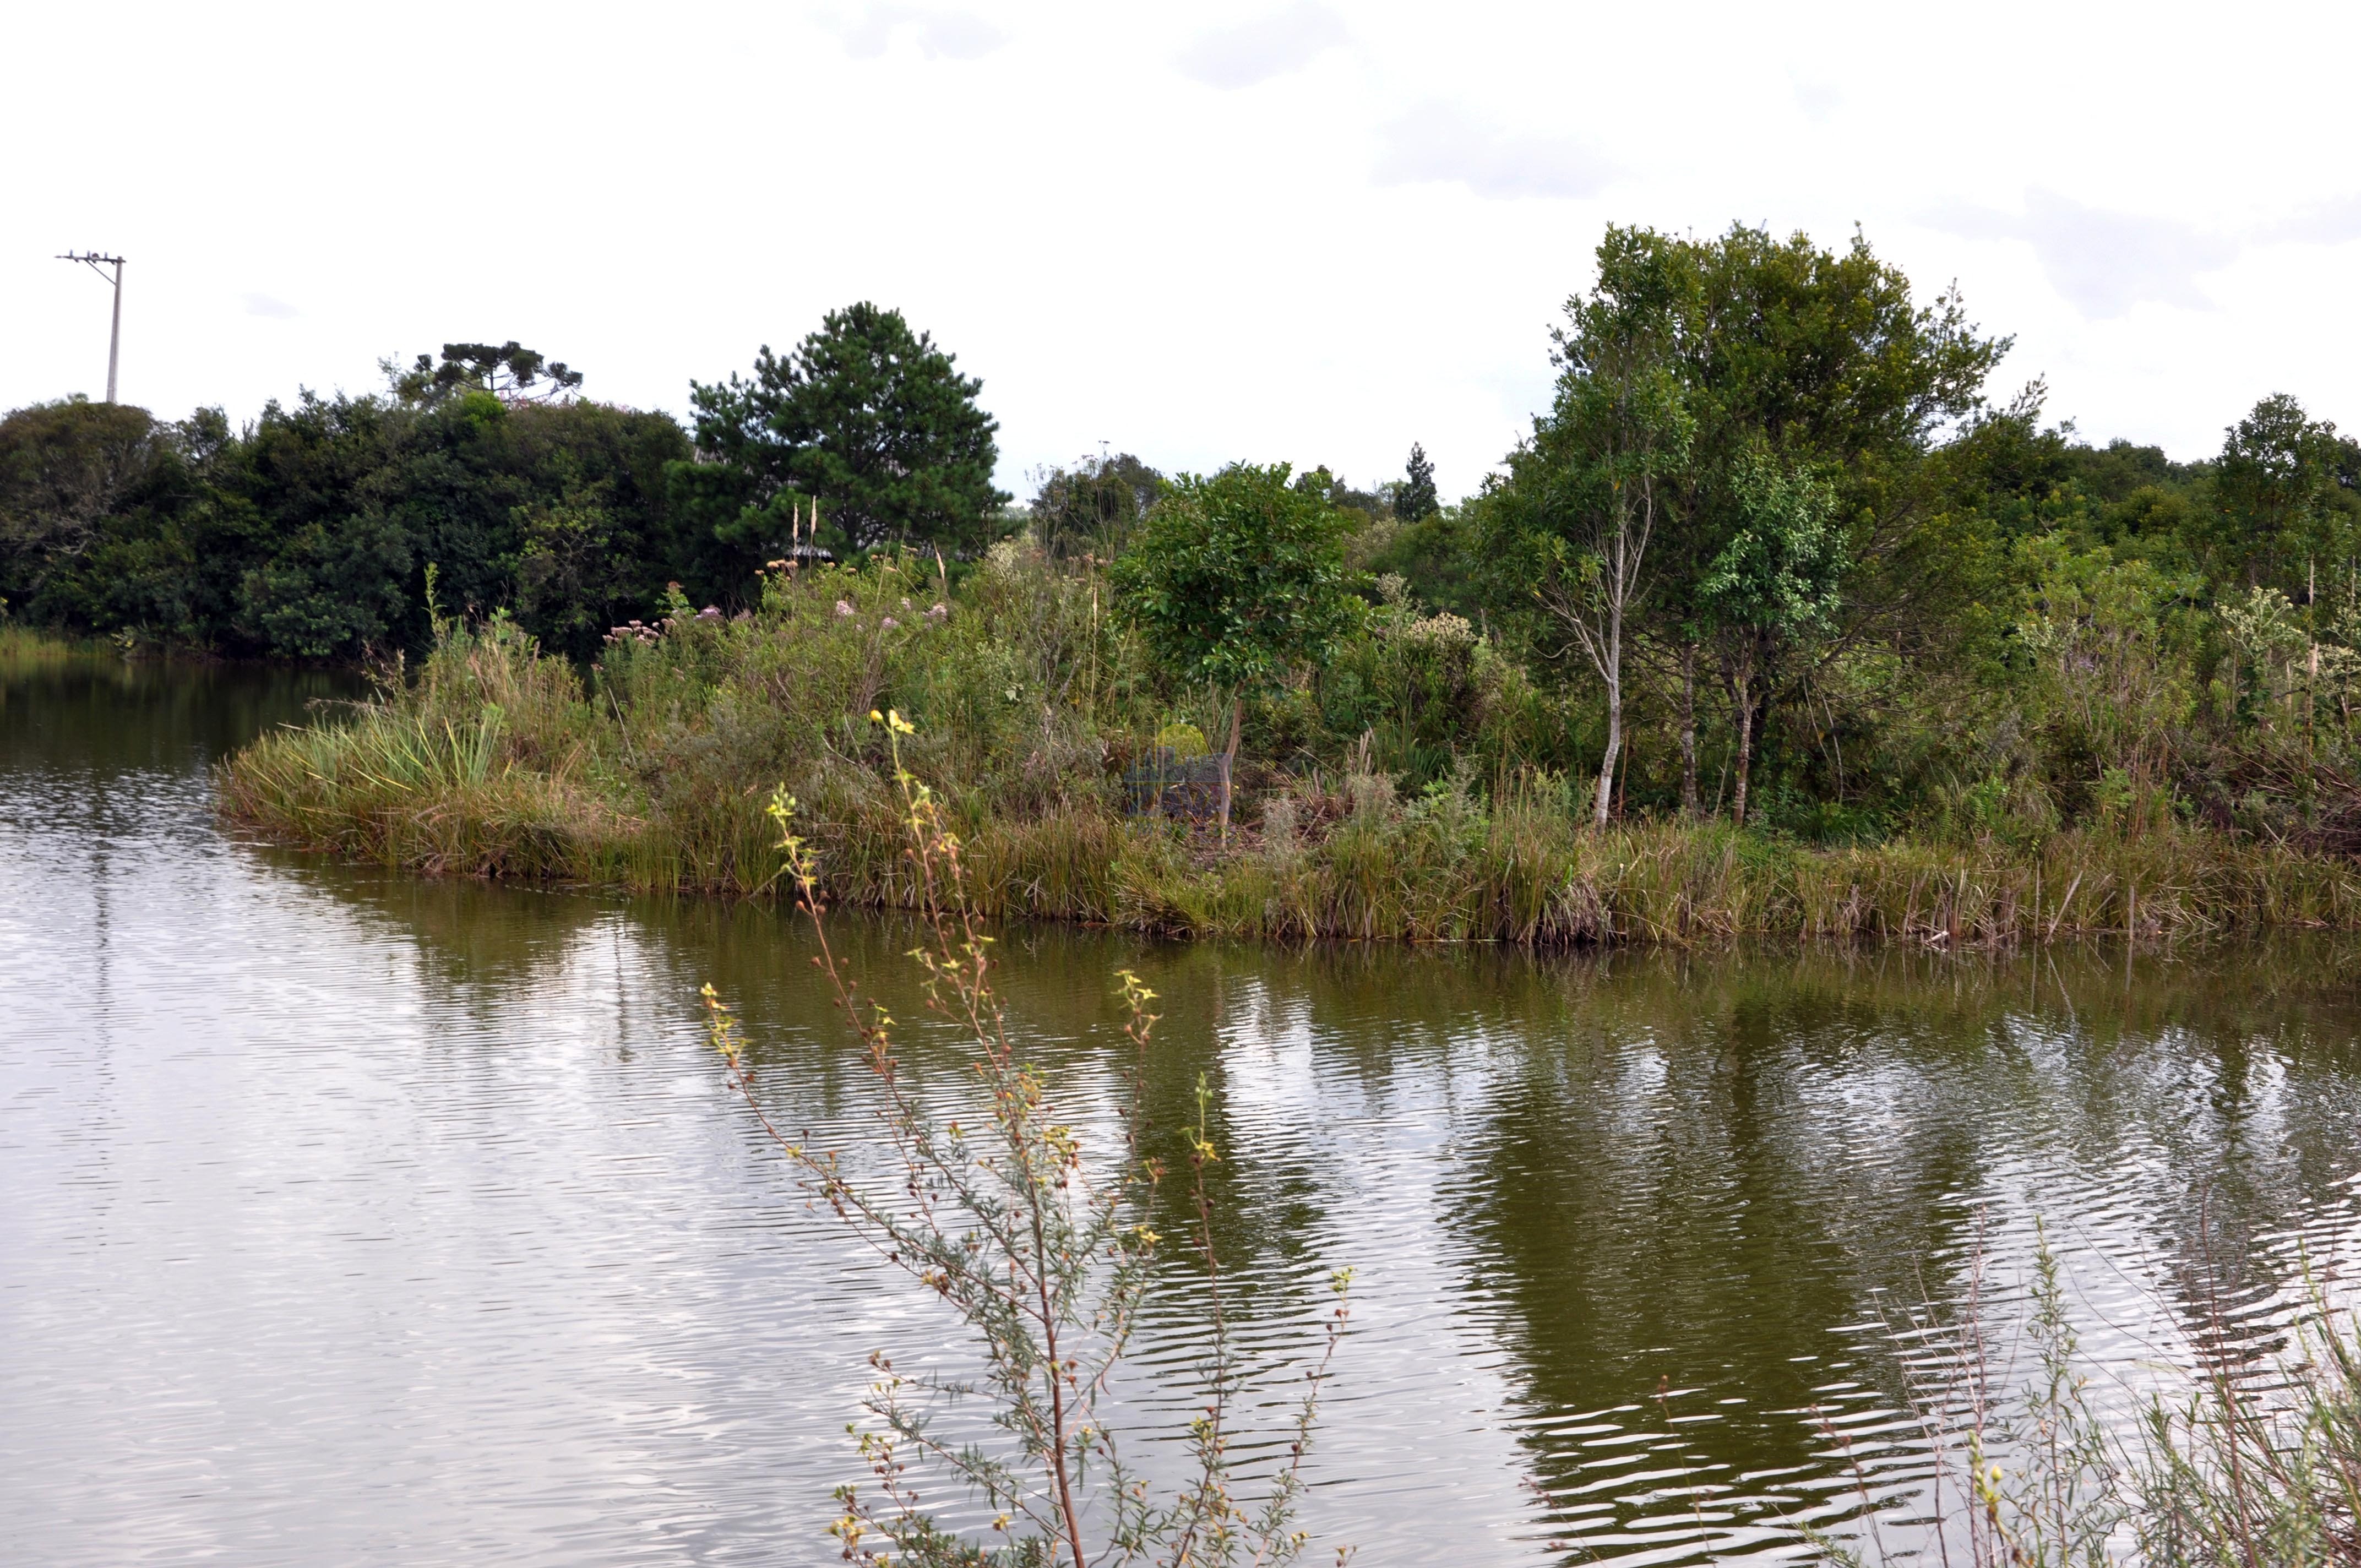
351,1218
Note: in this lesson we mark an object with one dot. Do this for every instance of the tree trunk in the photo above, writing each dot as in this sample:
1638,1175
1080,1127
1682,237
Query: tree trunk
1605,795
1230,761
1688,731
1742,713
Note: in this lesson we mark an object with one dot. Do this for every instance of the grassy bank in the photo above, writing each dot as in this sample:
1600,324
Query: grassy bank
653,772
23,648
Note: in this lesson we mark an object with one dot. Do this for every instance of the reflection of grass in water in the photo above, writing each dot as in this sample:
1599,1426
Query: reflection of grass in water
1048,1259
2250,1459
1929,1007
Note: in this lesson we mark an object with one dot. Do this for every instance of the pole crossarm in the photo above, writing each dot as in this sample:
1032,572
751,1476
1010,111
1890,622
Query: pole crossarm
98,264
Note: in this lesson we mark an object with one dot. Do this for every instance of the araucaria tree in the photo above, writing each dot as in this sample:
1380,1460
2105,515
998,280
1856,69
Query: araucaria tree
509,371
864,416
1415,498
1238,580
1585,496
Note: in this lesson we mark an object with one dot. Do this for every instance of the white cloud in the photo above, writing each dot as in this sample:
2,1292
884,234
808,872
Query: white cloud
940,35
272,309
1818,100
1363,253
1443,143
2107,263
1270,46
2329,223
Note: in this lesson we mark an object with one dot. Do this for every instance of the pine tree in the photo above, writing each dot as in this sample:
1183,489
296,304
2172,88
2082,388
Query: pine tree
1416,498
871,418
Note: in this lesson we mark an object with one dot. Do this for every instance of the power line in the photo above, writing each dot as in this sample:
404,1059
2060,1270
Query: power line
115,337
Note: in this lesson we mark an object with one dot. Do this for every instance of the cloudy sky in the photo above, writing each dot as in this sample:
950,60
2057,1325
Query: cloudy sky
1300,231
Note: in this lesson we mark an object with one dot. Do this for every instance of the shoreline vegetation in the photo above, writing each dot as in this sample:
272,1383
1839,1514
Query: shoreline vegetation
1782,620
24,649
654,773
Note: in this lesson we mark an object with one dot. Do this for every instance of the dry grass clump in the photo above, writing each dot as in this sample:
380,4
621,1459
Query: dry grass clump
23,649
653,772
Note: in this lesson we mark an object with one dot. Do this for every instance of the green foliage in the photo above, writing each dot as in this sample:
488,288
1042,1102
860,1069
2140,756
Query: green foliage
1438,561
307,534
1415,498
2283,497
1824,362
1238,579
510,372
1569,528
1775,576
76,478
1428,690
1092,508
870,418
1422,798
2107,688
1770,556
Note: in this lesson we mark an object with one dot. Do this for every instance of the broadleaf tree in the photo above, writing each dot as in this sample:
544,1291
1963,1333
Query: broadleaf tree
1775,581
1093,507
2284,500
1238,580
1572,522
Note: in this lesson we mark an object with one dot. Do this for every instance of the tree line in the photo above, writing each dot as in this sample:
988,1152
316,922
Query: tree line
310,531
1776,550
1774,488
1776,518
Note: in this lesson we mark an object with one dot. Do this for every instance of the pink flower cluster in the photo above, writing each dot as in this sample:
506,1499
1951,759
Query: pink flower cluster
636,632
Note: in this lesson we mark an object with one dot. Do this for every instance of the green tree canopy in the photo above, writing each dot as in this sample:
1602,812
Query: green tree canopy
1237,579
66,469
308,533
868,417
1777,356
2285,500
1571,528
510,372
1093,506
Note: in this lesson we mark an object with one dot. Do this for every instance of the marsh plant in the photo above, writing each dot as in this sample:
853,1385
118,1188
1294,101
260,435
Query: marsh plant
2248,1461
1045,1251
1431,822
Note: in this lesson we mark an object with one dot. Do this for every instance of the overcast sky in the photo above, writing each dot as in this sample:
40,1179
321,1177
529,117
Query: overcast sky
1300,231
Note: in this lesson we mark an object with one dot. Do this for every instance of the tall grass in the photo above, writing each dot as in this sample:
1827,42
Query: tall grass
24,649
2245,1460
652,774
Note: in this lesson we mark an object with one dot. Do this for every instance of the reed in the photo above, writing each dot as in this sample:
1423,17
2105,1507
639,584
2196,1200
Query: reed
395,789
491,759
24,649
2247,1458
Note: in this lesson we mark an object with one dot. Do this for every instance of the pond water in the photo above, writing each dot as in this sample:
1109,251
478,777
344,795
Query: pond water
352,1218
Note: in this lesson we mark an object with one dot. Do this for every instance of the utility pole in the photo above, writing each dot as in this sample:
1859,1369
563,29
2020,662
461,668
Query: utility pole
114,337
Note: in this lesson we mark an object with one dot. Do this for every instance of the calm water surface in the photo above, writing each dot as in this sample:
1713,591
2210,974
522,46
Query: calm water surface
357,1218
